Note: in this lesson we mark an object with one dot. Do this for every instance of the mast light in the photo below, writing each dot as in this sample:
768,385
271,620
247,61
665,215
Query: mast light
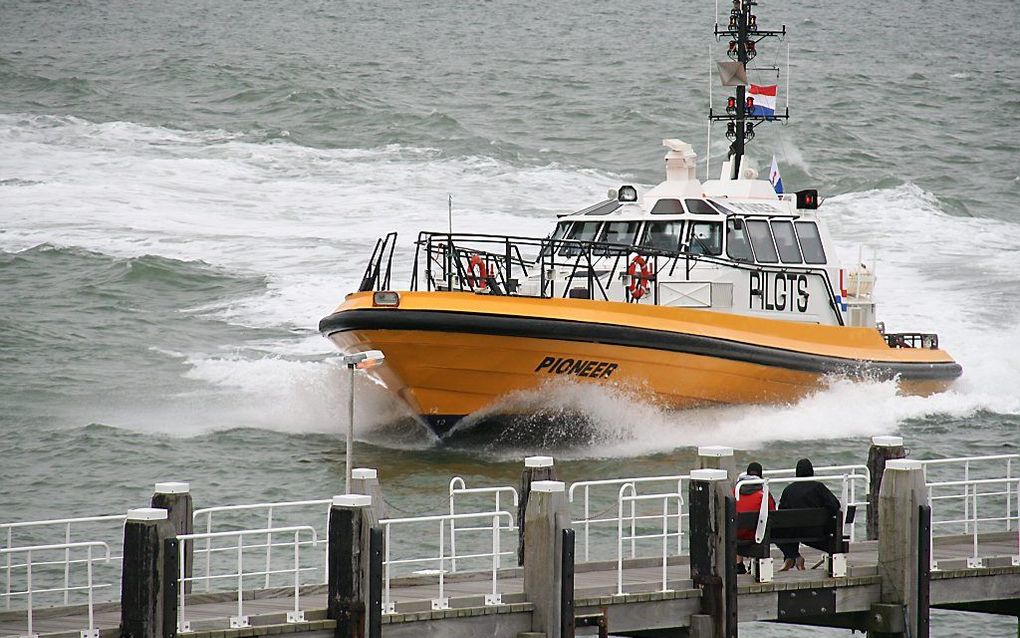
807,199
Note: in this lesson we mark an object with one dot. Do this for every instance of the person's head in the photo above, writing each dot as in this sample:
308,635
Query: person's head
804,468
754,469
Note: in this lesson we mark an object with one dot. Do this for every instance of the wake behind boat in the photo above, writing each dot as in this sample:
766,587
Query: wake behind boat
692,293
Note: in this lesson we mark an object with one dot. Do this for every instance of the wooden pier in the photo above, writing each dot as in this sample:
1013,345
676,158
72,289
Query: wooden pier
884,586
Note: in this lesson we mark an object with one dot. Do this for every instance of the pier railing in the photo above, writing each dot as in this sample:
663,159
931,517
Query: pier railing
27,559
242,571
313,513
459,490
601,514
419,532
668,525
57,568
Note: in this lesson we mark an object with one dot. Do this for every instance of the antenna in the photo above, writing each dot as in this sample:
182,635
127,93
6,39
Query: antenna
449,214
708,142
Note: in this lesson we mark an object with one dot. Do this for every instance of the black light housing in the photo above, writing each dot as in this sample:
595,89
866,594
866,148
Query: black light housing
627,193
807,199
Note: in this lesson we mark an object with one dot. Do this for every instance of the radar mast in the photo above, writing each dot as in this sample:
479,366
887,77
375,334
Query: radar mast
741,114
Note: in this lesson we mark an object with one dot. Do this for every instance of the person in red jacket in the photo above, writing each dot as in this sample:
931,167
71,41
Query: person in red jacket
749,500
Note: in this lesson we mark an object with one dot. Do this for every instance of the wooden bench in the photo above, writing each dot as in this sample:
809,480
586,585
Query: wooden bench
814,526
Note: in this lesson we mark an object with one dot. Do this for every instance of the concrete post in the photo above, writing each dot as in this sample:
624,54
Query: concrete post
712,565
350,522
365,480
536,468
718,457
148,586
903,491
546,517
175,498
883,449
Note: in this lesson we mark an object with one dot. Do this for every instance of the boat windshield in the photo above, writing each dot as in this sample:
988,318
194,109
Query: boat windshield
810,242
761,241
559,233
619,233
581,231
786,241
737,246
663,235
706,238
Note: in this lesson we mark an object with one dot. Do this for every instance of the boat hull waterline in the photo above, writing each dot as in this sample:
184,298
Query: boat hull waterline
449,355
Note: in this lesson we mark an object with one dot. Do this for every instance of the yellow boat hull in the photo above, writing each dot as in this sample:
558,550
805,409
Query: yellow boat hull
451,354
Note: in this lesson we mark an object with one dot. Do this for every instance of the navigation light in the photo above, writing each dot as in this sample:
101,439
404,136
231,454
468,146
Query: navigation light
627,193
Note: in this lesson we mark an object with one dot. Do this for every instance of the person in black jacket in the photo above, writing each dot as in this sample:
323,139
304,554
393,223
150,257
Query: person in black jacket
807,494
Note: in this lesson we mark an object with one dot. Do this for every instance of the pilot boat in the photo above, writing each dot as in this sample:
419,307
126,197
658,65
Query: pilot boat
691,293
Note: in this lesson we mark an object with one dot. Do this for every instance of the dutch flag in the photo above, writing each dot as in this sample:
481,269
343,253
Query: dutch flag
774,177
764,100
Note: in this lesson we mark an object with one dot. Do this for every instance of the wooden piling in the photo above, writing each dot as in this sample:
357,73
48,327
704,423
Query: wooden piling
545,519
536,468
350,522
882,450
903,493
365,480
175,498
713,547
148,593
718,457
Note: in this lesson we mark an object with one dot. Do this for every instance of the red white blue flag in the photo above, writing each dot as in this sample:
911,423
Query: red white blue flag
764,100
775,178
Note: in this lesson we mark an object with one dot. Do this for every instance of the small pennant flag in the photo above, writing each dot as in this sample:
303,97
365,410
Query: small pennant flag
774,177
764,100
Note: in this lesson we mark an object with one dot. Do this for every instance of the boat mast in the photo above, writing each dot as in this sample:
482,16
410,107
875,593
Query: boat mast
744,36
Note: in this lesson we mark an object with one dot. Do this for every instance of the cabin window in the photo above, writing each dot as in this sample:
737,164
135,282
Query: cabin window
737,246
580,231
700,207
668,207
810,243
663,235
786,242
618,233
553,241
706,238
761,241
584,231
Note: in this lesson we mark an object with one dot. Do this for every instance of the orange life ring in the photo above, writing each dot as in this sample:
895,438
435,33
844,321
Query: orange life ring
640,277
481,279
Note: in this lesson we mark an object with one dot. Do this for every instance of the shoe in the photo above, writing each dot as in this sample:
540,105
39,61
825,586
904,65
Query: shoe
741,568
788,564
800,563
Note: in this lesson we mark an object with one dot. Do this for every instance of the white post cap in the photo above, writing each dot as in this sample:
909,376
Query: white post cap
538,461
903,464
708,475
715,450
173,487
147,514
364,473
887,441
548,487
352,500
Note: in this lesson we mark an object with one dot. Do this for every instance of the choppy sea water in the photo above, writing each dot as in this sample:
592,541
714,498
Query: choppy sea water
186,189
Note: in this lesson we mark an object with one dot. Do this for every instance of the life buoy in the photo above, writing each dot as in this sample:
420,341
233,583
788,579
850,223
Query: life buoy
478,274
640,277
